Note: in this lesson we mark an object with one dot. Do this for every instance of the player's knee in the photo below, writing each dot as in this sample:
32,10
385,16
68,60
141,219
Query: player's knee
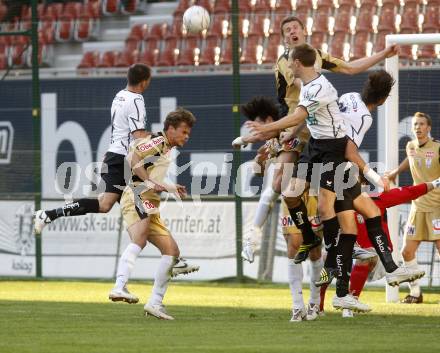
407,254
315,254
292,202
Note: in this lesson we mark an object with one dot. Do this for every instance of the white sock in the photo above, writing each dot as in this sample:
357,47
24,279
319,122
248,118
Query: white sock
267,198
126,264
295,277
161,279
315,271
414,286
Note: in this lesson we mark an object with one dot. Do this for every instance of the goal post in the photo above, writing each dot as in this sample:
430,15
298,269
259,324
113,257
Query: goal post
388,137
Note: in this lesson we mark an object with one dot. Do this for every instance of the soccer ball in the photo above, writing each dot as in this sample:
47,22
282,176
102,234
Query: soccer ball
196,19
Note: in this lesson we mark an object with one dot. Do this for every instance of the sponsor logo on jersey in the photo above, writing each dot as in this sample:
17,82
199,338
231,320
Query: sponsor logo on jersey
436,226
148,205
410,230
429,154
154,142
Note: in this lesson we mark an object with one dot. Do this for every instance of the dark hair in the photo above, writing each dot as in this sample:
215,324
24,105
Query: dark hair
290,19
424,115
305,54
377,87
261,107
138,73
178,116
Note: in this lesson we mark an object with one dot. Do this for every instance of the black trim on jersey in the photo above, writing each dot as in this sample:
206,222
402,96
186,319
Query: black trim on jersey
113,127
335,133
327,65
138,119
282,91
353,130
319,75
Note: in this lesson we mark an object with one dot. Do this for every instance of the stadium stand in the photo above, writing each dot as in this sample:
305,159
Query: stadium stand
154,34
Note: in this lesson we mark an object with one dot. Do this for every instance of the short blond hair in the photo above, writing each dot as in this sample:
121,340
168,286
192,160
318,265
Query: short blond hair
423,115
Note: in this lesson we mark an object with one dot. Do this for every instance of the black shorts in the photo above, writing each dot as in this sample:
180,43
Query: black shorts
320,153
114,176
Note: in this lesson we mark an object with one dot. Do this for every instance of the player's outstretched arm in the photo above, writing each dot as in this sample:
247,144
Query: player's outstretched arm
296,118
140,134
400,169
244,140
352,154
364,64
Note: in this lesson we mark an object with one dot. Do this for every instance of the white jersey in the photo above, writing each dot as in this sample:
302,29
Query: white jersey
320,99
358,118
128,115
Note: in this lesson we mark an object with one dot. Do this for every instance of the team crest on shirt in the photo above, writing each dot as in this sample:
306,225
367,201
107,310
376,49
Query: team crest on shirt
436,226
410,230
429,154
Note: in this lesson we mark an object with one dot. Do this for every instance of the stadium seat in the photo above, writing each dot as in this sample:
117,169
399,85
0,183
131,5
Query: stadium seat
167,56
276,22
107,59
132,44
337,45
244,7
64,28
304,5
427,51
270,54
325,6
47,28
221,7
17,55
249,55
216,27
128,7
207,56
150,44
186,57
176,28
3,62
320,22
364,21
110,7
283,6
205,3
346,5
390,4
431,20
126,58
3,11
83,28
226,53
158,31
387,21
54,10
317,39
89,60
256,25
410,21
138,32
359,49
148,57
342,22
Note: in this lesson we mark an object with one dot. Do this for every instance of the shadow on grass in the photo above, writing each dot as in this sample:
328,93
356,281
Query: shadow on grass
84,327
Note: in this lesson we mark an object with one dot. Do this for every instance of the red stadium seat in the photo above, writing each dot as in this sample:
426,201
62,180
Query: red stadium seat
110,7
216,26
226,54
183,5
256,26
129,7
276,23
17,55
317,39
54,10
325,6
107,59
138,31
431,20
166,58
249,55
390,4
205,4
270,54
148,57
83,28
359,49
283,6
221,7
320,22
342,22
132,44
150,44
387,21
126,58
3,62
410,21
158,31
186,57
176,28
64,28
304,5
89,60
244,7
337,45
346,5
208,55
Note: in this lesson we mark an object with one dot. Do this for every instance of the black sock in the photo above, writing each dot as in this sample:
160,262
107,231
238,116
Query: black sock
301,220
77,208
378,238
331,233
344,253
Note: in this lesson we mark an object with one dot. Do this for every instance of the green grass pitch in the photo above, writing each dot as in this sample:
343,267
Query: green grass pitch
59,317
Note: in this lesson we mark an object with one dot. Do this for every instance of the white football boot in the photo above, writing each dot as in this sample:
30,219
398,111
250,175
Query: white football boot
312,312
299,315
122,295
182,267
350,302
41,219
403,274
362,254
158,311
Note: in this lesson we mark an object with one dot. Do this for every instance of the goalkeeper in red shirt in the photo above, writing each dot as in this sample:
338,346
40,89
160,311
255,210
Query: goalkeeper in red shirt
372,269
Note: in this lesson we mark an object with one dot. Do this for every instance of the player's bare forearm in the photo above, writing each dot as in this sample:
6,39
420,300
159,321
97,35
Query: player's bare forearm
352,154
140,134
404,166
137,166
297,118
263,137
364,64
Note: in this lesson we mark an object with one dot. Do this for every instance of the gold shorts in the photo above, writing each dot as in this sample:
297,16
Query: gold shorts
423,226
132,212
289,227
